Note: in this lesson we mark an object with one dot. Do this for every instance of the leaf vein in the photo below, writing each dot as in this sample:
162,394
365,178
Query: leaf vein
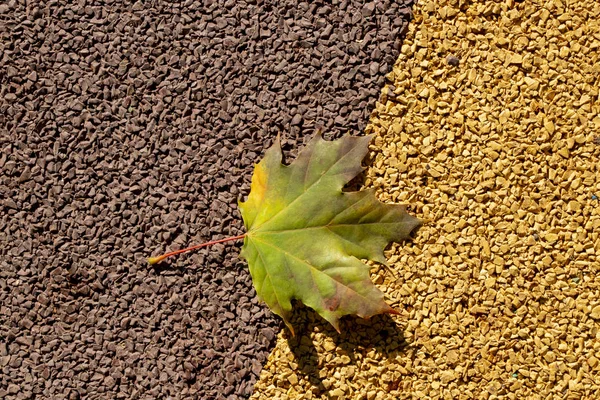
329,226
306,190
288,254
268,275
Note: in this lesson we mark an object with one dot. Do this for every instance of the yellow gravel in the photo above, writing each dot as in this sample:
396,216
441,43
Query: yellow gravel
491,132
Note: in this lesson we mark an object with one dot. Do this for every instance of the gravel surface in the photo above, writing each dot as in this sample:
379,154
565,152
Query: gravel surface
491,134
127,130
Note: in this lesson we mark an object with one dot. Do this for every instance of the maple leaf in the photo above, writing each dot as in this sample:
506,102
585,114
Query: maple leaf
306,237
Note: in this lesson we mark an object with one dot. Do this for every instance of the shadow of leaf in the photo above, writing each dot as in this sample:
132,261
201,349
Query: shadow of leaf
357,338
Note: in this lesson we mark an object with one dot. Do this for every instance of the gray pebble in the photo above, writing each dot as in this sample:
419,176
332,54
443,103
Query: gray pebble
452,60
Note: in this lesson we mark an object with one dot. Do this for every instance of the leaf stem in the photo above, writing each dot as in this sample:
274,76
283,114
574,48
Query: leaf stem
156,260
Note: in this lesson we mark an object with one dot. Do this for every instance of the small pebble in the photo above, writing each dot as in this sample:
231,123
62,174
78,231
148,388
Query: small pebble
453,60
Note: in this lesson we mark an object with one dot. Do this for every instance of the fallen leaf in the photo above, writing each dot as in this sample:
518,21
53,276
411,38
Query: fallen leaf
306,237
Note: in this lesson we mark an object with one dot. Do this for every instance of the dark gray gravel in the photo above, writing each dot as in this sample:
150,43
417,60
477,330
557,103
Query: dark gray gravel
127,130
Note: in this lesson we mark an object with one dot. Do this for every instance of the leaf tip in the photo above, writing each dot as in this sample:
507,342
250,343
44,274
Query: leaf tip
393,311
416,224
337,328
290,327
334,321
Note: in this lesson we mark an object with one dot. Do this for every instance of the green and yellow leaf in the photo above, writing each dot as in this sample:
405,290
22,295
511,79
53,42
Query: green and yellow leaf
306,237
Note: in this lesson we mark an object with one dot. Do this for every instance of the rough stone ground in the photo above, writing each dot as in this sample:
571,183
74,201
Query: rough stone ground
127,129
490,130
